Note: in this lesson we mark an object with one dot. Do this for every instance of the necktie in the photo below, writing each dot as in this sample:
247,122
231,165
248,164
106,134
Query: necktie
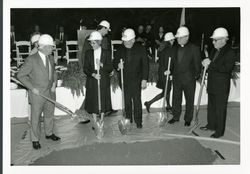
47,66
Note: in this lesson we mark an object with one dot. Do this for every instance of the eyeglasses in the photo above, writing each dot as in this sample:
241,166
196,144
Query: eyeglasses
92,43
216,40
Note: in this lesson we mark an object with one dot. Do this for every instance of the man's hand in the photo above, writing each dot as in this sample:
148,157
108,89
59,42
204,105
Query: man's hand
206,62
120,65
143,84
35,91
167,72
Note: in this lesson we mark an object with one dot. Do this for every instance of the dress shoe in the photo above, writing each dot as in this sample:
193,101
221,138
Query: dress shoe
172,121
147,106
187,123
53,137
215,135
36,145
204,128
139,126
112,111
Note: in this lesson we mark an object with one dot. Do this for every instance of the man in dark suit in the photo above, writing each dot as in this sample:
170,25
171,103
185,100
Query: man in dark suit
136,69
220,65
61,39
186,69
39,76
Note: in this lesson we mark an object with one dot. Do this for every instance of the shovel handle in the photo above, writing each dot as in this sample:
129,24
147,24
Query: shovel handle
122,83
166,85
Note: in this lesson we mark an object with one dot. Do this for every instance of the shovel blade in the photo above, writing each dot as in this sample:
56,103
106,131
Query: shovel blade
163,118
98,127
124,126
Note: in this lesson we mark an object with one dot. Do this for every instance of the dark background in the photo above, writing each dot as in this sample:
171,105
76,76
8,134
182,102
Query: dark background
198,20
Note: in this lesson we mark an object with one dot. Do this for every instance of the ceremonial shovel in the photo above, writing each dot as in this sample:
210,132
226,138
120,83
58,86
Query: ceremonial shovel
58,105
164,115
196,121
99,125
123,124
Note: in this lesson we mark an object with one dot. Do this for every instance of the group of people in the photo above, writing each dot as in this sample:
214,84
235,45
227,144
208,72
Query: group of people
38,75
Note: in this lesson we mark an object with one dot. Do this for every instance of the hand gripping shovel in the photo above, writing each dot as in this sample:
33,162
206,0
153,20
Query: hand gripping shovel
123,124
58,105
99,125
196,121
164,115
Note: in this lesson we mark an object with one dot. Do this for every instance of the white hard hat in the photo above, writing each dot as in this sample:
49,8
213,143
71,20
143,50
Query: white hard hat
95,35
182,31
46,39
169,36
219,32
35,38
128,34
105,24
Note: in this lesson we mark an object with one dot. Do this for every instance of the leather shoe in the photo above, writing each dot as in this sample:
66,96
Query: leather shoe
215,135
53,137
172,121
204,128
187,123
147,106
36,145
139,126
112,111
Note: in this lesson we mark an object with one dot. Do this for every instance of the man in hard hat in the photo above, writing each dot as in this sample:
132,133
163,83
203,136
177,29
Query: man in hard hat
39,76
220,65
186,69
34,42
103,28
136,69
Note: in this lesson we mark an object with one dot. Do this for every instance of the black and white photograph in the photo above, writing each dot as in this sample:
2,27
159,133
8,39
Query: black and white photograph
125,87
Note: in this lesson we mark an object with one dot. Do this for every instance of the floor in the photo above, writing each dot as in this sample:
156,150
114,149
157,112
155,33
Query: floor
226,148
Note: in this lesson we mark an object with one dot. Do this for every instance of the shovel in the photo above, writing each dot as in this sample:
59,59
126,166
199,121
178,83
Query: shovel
164,115
58,105
123,124
196,121
99,125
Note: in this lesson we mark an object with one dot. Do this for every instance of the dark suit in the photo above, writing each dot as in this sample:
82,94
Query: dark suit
186,68
135,70
218,87
91,102
61,42
33,74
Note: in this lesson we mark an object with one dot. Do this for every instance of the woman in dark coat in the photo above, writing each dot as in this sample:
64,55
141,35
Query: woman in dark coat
94,58
162,71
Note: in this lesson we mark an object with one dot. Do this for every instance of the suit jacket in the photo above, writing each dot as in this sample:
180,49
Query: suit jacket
188,69
220,69
33,73
136,69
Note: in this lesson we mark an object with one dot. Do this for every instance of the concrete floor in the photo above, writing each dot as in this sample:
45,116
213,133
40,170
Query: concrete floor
228,146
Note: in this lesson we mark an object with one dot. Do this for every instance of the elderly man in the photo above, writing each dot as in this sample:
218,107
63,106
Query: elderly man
39,76
186,69
136,68
220,65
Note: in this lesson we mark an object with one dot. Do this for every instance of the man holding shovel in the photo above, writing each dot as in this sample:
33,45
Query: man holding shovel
39,77
135,66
